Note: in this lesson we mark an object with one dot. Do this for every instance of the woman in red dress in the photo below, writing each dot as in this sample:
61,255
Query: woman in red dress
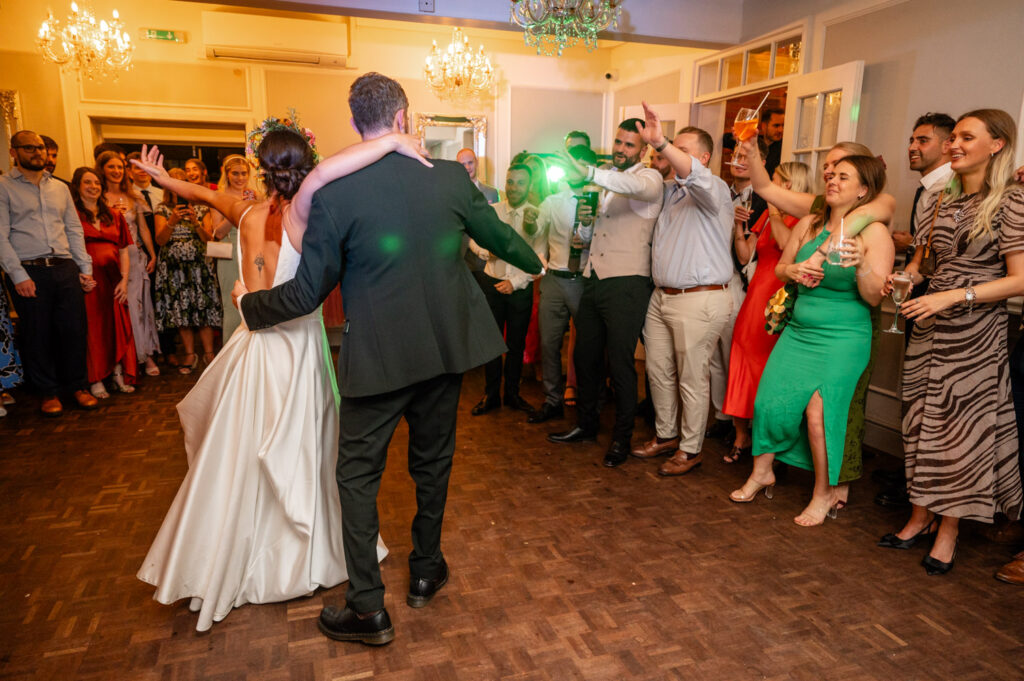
111,345
751,344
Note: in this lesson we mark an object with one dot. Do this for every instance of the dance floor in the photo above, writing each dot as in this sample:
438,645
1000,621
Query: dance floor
561,569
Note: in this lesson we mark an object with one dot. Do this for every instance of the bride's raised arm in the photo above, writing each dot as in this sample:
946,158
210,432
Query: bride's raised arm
347,161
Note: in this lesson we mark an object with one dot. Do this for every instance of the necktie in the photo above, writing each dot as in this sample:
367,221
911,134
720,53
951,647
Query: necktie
913,210
149,201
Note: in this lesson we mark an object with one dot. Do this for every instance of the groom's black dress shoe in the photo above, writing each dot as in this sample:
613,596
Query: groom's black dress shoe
421,590
345,625
575,434
485,405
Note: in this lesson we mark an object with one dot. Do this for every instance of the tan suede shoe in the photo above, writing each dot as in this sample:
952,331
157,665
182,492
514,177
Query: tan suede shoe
653,448
679,464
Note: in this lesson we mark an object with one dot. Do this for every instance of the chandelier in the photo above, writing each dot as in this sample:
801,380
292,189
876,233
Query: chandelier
95,49
553,25
458,73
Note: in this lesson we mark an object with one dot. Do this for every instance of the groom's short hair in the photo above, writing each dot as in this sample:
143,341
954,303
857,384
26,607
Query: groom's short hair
374,100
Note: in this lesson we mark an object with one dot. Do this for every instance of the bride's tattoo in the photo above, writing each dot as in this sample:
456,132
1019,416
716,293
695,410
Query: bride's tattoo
260,262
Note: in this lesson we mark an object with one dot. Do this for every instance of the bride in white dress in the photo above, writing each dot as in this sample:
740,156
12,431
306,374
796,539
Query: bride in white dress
257,517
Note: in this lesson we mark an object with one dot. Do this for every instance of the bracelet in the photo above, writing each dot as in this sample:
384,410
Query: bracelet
664,143
818,250
865,274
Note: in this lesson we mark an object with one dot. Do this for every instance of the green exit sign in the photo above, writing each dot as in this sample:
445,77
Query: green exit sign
163,34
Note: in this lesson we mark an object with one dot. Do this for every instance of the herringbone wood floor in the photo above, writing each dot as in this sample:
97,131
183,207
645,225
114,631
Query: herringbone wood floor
561,569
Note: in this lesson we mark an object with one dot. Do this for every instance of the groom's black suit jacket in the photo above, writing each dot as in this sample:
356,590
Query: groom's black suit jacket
391,234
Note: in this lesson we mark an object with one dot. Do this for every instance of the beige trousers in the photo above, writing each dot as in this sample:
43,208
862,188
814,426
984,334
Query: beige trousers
680,334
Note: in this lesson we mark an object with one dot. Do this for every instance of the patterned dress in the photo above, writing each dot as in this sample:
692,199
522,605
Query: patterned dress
187,293
959,429
10,364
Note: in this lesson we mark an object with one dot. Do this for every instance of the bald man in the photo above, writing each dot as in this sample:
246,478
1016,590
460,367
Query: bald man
467,157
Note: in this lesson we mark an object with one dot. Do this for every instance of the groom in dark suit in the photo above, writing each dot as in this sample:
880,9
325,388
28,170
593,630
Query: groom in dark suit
415,321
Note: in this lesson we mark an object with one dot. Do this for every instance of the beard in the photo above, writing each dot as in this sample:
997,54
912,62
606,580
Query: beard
627,163
32,165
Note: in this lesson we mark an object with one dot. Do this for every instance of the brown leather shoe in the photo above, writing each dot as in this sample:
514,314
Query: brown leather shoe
679,464
52,406
1013,572
653,448
85,400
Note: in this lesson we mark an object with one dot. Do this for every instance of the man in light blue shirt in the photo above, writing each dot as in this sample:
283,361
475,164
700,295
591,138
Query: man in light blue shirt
42,251
691,265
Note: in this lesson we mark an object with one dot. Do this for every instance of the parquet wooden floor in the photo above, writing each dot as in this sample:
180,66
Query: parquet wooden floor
561,570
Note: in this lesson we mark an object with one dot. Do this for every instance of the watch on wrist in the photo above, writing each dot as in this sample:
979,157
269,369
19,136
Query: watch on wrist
664,143
969,297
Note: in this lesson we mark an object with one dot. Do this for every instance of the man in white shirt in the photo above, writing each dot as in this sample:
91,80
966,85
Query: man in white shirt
616,287
562,287
692,268
929,154
509,293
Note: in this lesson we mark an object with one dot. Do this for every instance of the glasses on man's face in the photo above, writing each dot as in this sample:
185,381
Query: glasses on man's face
30,147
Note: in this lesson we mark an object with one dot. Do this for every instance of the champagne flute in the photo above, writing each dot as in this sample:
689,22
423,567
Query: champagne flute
744,127
901,287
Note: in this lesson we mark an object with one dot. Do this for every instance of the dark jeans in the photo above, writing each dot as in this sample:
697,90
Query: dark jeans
512,314
611,316
52,329
367,425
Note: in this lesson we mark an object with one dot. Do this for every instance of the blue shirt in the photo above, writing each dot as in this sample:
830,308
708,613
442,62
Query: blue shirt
36,222
693,237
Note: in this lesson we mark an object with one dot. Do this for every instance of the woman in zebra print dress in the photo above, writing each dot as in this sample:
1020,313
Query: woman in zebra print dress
959,430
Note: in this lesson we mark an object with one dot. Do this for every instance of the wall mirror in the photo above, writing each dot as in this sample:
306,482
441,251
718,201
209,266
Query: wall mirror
444,136
11,112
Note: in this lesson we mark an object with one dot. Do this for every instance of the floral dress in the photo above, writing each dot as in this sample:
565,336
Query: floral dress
10,364
187,292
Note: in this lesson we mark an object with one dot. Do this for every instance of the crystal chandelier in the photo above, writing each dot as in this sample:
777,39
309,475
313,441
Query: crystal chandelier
553,25
94,49
457,73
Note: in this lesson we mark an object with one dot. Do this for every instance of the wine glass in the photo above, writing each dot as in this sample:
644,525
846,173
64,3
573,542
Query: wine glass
901,286
744,127
835,245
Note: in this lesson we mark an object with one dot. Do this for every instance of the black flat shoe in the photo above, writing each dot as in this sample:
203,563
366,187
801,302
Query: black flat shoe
616,455
421,590
893,541
345,625
485,405
546,412
575,434
934,566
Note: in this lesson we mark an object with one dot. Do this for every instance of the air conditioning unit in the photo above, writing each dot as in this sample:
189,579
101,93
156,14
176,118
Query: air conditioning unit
250,37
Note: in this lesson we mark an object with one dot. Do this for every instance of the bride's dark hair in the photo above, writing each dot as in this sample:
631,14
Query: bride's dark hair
285,159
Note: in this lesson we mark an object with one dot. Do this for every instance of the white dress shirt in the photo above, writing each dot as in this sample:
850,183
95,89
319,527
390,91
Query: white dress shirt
499,269
555,222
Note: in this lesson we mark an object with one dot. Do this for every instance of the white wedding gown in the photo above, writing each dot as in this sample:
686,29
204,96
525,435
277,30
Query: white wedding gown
257,518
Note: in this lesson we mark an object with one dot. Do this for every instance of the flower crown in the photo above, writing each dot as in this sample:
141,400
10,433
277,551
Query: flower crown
270,124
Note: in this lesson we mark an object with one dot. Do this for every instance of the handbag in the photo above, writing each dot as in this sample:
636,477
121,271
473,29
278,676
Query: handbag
779,309
219,249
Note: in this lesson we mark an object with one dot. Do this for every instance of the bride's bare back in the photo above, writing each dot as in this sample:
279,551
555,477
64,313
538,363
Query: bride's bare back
260,232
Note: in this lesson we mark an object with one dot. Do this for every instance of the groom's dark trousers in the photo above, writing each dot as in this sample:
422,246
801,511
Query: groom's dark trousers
415,321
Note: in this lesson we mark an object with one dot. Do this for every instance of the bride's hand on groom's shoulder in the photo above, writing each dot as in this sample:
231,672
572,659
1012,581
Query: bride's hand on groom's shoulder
412,146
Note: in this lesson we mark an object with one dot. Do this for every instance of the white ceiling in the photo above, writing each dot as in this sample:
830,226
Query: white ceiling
693,23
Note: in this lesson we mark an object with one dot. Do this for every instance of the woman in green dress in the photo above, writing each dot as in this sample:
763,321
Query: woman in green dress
803,400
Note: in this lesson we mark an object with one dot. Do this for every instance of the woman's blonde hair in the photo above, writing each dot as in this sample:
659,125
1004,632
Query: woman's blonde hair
227,164
999,174
797,174
853,149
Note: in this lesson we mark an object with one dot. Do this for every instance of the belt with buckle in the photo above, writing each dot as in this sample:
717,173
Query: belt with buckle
48,261
565,274
695,289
